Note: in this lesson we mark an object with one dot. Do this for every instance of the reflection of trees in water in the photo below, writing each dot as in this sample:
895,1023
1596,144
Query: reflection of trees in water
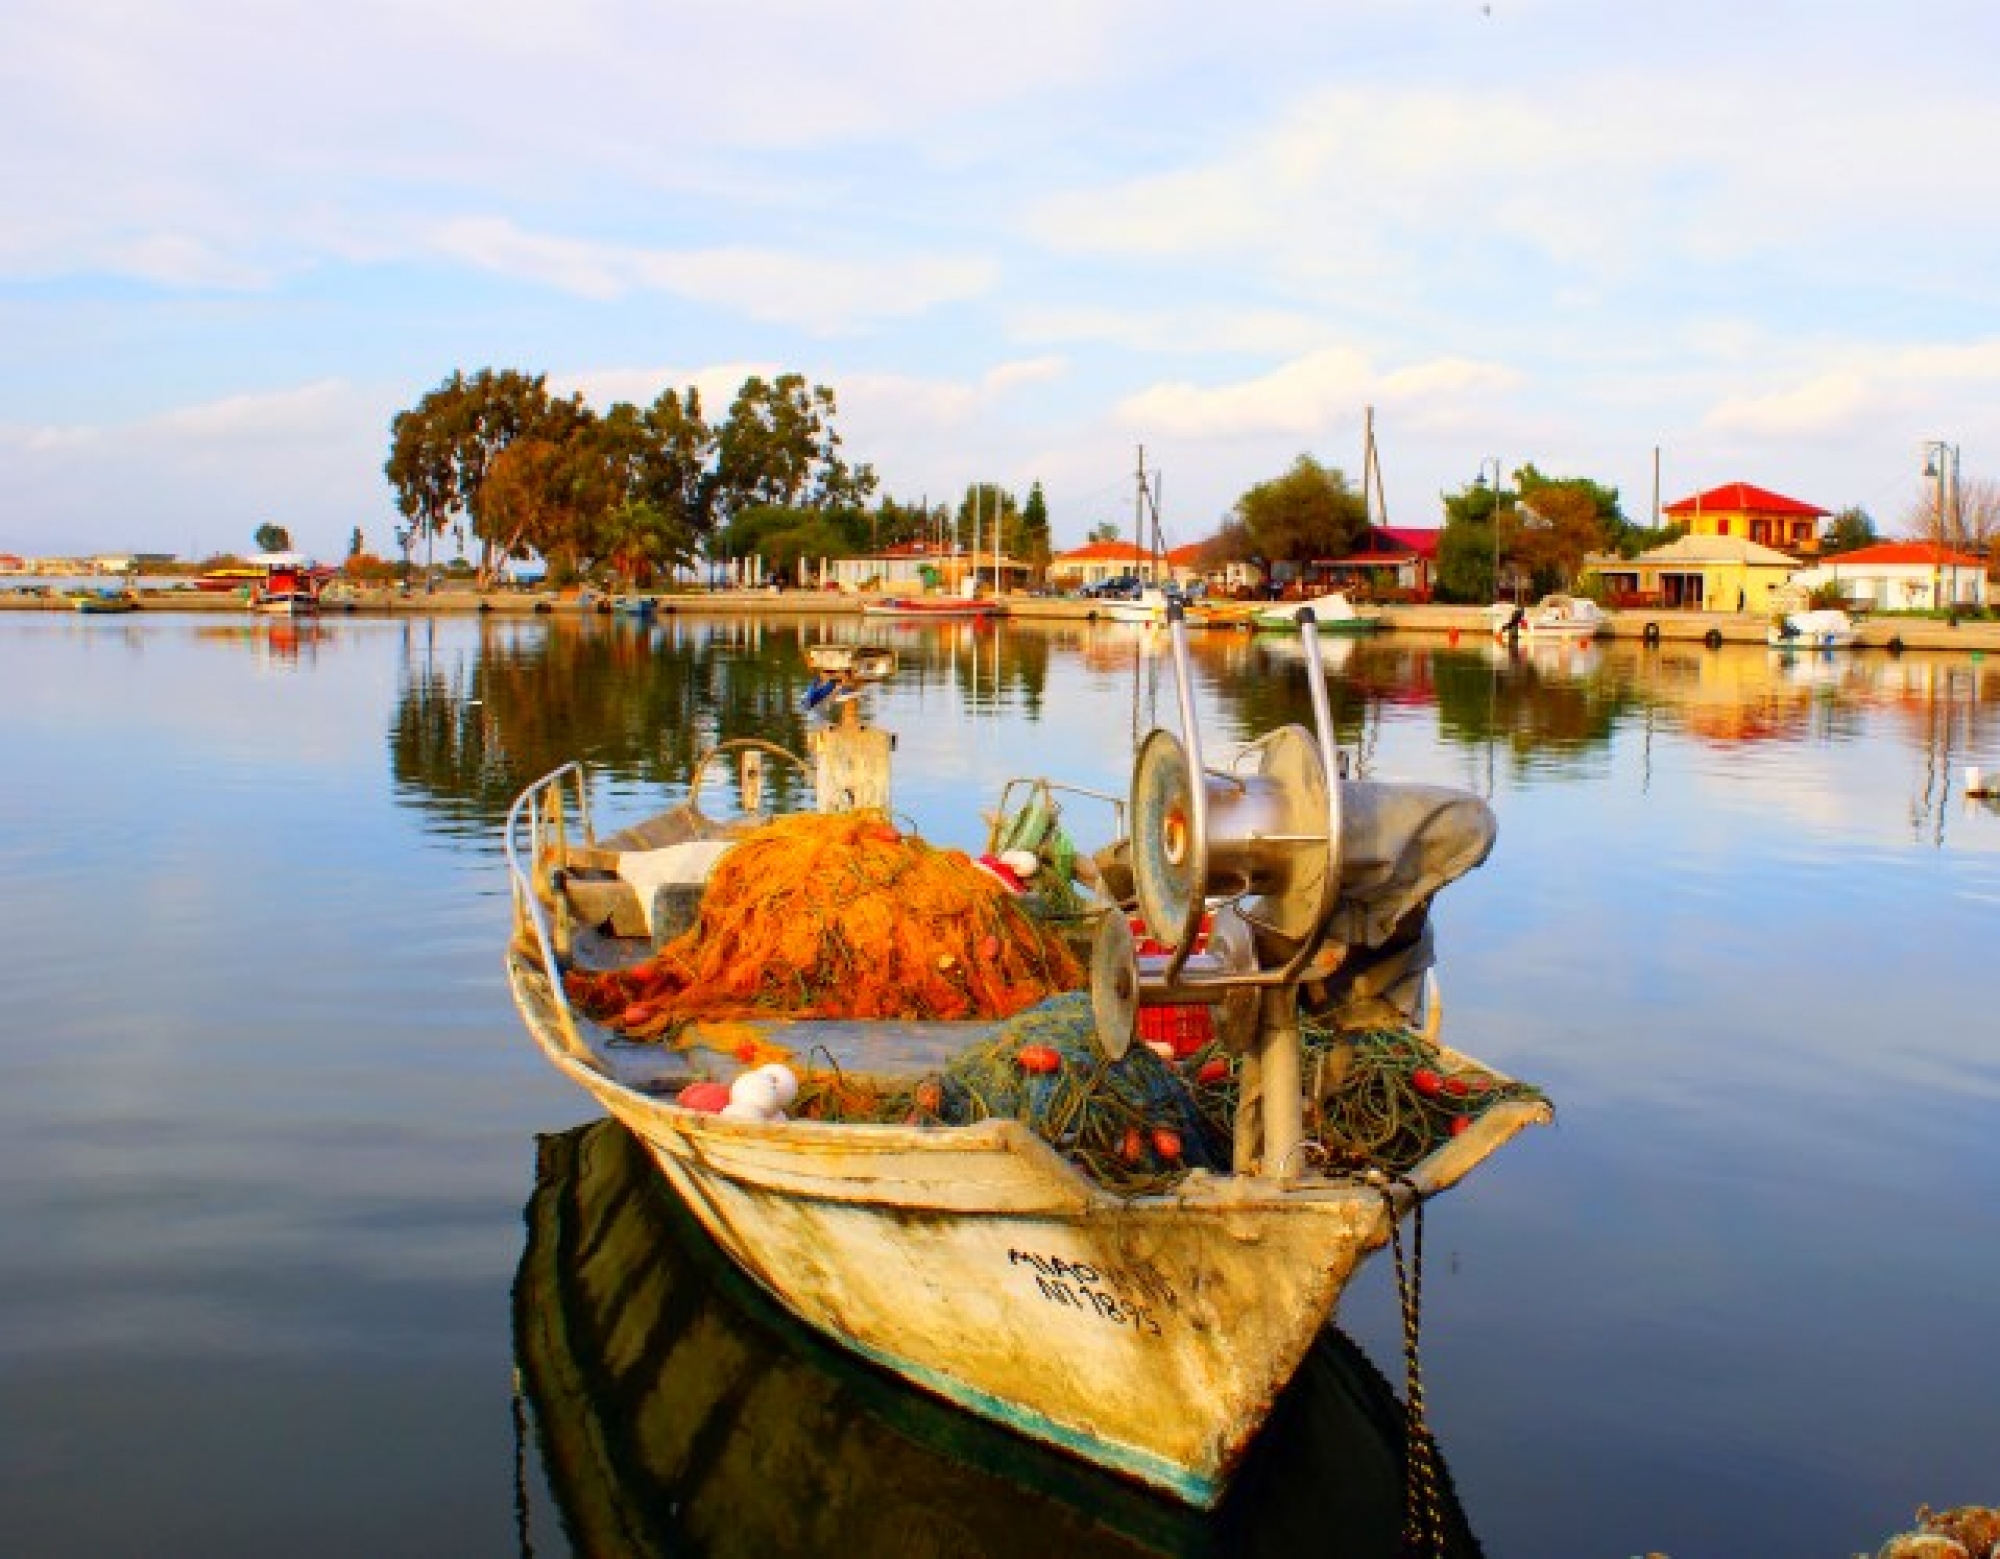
1550,714
636,704
639,704
475,722
991,665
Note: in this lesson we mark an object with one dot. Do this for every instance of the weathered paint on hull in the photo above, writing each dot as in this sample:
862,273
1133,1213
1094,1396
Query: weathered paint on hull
1149,1336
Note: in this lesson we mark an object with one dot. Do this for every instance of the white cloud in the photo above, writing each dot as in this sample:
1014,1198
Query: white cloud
303,412
1015,241
1303,396
815,292
1829,404
1192,328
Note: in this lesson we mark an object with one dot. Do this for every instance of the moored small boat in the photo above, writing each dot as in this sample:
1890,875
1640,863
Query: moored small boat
104,602
926,606
219,581
1552,617
1333,612
1024,1209
1151,607
1827,628
289,585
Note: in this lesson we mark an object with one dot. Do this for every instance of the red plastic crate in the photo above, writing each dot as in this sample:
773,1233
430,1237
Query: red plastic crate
1186,1029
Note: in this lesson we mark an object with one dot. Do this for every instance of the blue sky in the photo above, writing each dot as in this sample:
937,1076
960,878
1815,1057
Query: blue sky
1018,241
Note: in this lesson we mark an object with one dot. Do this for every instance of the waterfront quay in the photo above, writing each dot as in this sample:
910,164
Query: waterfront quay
1452,623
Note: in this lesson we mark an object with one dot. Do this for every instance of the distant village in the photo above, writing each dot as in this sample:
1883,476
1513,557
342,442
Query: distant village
1740,548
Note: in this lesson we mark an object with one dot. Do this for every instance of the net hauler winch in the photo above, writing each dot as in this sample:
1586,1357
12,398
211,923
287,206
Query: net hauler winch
1251,852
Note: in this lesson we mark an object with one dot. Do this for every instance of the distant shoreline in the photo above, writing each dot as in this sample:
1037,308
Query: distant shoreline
1449,622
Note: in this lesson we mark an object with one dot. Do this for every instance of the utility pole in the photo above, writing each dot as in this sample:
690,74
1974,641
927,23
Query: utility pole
1494,461
1941,464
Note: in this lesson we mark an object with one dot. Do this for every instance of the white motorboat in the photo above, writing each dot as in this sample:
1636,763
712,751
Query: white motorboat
1827,628
1552,617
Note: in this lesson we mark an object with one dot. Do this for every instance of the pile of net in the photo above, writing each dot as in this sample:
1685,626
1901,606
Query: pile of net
1383,1099
837,915
1133,1125
1388,1098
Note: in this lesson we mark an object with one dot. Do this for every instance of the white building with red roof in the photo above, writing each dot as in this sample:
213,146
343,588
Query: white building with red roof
912,567
1902,576
1097,561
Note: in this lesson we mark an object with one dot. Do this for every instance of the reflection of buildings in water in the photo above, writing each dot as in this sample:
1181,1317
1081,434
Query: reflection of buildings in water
1556,657
1937,707
283,643
1728,696
288,639
1336,652
679,1411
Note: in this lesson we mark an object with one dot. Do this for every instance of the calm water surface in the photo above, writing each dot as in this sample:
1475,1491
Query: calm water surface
269,1126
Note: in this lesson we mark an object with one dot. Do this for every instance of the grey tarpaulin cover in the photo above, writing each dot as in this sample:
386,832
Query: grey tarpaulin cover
1400,843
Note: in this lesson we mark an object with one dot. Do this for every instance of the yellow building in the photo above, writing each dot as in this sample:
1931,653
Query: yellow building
1695,574
1752,513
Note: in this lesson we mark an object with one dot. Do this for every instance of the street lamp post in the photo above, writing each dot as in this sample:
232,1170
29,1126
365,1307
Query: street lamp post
1493,461
1941,465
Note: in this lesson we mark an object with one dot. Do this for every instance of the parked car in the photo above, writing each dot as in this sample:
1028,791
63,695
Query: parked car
1124,587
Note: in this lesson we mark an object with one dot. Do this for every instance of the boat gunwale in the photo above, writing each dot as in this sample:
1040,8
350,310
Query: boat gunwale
599,1073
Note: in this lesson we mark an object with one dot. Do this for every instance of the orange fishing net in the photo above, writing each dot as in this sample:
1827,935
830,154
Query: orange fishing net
837,915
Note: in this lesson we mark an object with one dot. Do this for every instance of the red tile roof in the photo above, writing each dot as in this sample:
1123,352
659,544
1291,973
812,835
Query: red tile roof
1423,542
1927,553
1105,552
1741,498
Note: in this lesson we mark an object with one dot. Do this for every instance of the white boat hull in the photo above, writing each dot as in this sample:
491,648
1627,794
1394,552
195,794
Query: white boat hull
1150,611
1150,1336
1554,619
1821,630
286,606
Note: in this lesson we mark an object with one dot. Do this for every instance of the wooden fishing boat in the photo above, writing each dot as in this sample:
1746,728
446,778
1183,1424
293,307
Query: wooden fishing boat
289,586
1146,1332
928,606
662,1388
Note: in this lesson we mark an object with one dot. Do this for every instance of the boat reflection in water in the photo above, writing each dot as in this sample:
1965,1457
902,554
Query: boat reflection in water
679,1411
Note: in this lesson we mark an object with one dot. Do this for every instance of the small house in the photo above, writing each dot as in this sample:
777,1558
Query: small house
1903,576
1704,573
1097,561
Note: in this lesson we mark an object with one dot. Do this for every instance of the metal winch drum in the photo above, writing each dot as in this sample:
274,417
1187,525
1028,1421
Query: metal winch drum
1253,848
1255,834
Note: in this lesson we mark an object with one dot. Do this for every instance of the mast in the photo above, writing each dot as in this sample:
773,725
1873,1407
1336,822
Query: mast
1139,503
1372,496
1146,496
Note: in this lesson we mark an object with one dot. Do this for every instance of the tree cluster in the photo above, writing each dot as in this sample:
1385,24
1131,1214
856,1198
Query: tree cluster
1967,522
1530,539
634,490
1310,512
